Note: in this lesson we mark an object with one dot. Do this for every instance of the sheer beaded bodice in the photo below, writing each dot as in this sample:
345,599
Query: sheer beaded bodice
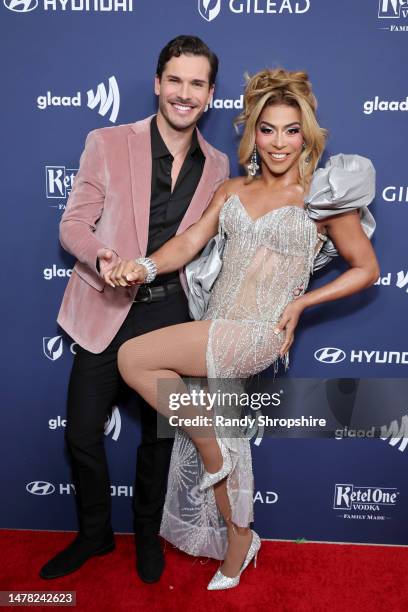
265,261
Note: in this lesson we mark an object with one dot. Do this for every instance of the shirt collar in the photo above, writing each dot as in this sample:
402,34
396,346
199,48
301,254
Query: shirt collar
159,148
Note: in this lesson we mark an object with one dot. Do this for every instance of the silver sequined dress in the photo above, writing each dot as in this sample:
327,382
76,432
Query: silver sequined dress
264,263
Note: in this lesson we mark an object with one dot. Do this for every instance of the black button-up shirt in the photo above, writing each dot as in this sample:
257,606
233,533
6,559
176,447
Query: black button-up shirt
167,208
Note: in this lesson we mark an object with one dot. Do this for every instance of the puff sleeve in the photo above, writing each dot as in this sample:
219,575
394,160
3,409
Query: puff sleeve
347,182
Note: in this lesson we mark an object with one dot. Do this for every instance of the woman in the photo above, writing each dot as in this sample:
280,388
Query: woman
280,224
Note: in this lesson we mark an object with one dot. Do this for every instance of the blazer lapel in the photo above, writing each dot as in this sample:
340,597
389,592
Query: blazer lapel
140,156
205,188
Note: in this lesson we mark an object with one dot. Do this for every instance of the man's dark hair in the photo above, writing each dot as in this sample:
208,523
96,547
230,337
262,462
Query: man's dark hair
187,45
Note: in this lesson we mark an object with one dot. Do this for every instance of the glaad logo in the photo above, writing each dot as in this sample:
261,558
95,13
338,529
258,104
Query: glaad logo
54,272
330,355
21,6
401,281
107,101
58,422
113,424
53,347
209,9
227,103
398,434
40,487
371,106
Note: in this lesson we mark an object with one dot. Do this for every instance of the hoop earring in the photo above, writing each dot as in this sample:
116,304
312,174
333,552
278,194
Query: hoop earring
253,165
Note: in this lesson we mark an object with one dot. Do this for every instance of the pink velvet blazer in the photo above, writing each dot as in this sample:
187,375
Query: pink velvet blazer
109,207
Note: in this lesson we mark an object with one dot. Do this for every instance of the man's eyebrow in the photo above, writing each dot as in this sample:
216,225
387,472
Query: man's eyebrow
285,126
174,76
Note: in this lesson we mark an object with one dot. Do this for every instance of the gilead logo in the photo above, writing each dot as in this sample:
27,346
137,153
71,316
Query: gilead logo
394,193
210,9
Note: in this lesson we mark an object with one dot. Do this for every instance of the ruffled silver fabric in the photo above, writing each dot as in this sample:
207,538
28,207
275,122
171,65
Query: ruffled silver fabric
265,262
347,182
201,274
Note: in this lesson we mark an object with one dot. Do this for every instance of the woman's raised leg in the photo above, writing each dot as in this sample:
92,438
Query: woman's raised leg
168,354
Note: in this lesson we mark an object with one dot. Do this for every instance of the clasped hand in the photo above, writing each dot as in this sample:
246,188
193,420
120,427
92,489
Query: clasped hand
125,273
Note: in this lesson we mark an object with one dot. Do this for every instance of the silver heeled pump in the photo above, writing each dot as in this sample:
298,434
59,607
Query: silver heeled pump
210,479
219,581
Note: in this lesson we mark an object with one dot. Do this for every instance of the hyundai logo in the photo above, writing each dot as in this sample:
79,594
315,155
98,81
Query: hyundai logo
330,354
40,487
21,6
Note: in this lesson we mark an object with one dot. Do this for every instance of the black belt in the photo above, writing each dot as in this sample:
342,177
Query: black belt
156,293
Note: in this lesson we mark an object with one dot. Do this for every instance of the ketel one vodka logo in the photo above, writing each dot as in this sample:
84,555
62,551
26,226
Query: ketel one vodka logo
353,497
59,181
392,9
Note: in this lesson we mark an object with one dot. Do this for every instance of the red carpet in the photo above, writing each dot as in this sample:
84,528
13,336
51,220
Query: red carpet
289,577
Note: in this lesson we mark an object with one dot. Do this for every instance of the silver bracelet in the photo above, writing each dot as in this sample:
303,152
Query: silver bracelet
150,267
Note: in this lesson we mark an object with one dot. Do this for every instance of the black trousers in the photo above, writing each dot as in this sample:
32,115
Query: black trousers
94,386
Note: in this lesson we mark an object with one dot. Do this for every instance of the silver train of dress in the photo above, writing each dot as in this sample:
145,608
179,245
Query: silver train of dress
265,261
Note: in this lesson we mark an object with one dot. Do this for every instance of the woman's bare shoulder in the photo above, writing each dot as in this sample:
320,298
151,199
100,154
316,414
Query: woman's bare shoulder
232,184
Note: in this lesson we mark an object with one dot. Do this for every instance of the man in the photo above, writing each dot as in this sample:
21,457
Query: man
137,186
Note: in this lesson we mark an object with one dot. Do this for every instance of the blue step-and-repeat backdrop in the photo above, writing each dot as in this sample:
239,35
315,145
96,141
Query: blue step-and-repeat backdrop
70,66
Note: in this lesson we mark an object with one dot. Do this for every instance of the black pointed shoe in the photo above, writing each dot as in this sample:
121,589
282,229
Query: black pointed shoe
150,558
75,555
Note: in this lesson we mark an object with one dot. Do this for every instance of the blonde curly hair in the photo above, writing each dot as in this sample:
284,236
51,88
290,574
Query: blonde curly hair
280,86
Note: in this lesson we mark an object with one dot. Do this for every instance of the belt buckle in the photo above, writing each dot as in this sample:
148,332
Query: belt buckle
148,299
